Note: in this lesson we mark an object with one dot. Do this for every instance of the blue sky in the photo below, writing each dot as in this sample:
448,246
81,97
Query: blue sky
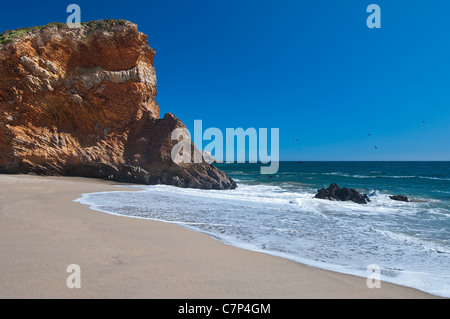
310,68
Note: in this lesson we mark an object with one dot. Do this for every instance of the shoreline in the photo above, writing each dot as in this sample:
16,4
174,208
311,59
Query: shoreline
43,230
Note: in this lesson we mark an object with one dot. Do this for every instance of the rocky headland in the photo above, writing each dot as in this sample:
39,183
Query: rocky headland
81,102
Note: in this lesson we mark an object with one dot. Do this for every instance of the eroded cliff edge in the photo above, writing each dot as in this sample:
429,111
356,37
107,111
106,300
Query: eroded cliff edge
81,102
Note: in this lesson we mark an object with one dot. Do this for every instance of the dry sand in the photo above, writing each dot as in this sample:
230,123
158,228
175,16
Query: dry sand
42,231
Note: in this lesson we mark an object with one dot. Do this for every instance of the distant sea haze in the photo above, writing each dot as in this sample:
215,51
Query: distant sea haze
277,214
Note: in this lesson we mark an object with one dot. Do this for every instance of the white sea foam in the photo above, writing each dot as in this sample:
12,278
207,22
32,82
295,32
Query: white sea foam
435,178
341,174
290,223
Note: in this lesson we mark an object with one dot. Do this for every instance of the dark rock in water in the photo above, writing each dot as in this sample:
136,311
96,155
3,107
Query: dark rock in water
334,192
399,198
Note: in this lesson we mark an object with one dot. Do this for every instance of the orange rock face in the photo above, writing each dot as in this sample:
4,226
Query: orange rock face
82,102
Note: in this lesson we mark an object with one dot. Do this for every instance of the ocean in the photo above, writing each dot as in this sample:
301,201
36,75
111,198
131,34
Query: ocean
277,214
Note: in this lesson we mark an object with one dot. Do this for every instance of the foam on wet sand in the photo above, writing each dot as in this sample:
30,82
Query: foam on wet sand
42,231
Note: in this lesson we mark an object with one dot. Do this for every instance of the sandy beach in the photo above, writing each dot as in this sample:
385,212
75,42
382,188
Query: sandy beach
42,231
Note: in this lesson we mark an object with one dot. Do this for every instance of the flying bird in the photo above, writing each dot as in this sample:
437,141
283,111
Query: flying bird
376,147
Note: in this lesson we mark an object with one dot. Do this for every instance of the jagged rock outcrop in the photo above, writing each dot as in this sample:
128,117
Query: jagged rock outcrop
399,198
82,102
334,192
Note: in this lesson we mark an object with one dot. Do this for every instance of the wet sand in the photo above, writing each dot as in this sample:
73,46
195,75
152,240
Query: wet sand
43,231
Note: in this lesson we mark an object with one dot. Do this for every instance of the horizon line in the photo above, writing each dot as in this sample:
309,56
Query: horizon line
306,161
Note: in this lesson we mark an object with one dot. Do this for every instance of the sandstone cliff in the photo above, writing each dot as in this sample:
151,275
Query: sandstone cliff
81,102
